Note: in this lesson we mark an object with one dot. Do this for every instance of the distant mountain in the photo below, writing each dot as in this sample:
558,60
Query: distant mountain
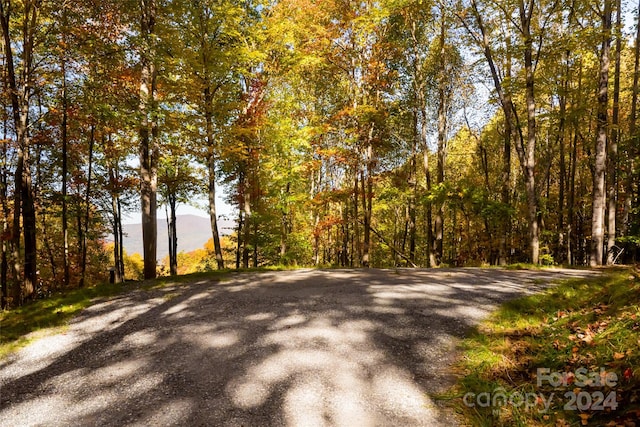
193,232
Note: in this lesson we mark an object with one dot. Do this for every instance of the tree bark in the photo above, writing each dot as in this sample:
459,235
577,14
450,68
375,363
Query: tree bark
284,224
503,250
635,146
241,221
529,150
173,236
213,216
87,207
4,181
422,135
149,150
560,252
612,206
571,219
246,238
356,228
211,164
65,169
599,196
442,143
117,237
631,224
23,198
413,182
367,199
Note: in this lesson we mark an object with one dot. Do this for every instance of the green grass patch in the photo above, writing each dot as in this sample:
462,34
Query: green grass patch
584,332
20,326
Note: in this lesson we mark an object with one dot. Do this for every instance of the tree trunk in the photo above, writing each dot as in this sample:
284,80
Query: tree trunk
503,254
44,223
442,142
422,135
634,149
255,245
612,207
116,210
173,236
117,237
4,262
149,150
571,240
213,216
344,258
4,181
596,255
65,224
241,222
529,150
284,224
526,152
87,207
121,246
23,197
356,227
560,252
431,260
29,223
413,182
367,199
246,238
211,163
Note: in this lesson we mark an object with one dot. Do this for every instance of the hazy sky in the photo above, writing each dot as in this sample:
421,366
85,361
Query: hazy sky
201,208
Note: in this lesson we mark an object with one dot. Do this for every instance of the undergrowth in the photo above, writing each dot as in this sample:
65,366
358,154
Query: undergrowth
569,356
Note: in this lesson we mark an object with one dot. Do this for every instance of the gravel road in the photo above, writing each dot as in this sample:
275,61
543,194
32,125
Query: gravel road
295,348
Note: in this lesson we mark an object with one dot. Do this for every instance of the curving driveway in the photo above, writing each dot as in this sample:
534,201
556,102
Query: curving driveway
300,348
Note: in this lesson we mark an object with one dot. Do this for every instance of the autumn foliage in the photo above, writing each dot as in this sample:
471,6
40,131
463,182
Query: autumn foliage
352,134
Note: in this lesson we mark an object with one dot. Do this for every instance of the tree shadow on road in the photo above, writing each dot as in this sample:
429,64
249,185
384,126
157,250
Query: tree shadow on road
338,347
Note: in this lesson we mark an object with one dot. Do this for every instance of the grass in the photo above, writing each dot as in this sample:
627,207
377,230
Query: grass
20,326
593,325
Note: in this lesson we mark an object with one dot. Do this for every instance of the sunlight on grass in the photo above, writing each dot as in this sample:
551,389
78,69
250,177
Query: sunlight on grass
580,324
24,324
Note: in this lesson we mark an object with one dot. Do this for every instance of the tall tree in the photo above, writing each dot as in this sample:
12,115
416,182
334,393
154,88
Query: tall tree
20,92
596,255
612,181
178,181
527,151
148,135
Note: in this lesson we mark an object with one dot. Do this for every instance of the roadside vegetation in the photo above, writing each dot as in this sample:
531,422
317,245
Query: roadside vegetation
23,324
569,356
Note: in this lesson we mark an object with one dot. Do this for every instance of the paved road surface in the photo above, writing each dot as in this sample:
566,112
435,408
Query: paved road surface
296,348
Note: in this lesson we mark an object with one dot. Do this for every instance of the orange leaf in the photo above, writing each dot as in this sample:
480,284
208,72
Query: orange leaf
584,419
618,356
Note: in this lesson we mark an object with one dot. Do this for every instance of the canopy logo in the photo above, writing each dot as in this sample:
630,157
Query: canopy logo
591,390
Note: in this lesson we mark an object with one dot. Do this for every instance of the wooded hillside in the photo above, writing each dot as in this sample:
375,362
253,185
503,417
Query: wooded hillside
346,133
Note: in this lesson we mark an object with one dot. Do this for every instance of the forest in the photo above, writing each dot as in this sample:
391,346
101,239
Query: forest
417,133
